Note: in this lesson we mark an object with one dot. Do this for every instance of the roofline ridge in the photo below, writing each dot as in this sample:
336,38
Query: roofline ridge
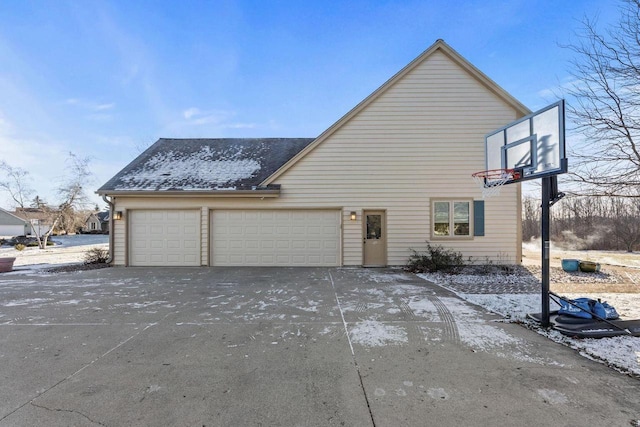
439,45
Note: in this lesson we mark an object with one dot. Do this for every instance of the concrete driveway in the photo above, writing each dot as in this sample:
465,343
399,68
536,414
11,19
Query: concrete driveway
282,347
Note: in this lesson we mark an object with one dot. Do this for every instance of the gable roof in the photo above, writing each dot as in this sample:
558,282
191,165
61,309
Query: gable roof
103,216
205,165
7,218
30,214
438,46
98,217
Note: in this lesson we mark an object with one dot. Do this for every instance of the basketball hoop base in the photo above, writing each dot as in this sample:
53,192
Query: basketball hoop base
492,180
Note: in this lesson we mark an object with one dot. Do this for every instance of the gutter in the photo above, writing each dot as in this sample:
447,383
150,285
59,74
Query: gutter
220,193
111,225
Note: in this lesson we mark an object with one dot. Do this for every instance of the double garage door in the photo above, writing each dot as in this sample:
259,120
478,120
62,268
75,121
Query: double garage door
237,238
275,238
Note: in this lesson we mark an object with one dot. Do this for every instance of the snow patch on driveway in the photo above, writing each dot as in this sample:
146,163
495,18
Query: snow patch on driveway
371,333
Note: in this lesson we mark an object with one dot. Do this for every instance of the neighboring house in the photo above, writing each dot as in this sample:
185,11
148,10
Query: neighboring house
392,174
11,225
97,222
40,220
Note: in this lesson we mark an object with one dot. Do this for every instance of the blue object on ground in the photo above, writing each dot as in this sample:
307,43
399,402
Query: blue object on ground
570,264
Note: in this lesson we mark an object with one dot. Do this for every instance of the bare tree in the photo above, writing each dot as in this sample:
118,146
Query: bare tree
606,105
586,222
626,223
15,183
530,218
71,193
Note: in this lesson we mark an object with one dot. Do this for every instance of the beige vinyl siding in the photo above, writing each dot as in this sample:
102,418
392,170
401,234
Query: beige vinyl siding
204,230
119,238
420,139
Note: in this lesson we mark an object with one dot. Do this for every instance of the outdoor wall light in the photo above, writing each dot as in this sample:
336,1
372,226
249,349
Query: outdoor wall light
353,215
117,215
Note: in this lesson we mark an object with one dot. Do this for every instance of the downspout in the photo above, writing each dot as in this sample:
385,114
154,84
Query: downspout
111,225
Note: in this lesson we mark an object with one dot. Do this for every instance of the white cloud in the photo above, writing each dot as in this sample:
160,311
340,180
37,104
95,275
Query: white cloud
90,105
220,119
189,113
102,107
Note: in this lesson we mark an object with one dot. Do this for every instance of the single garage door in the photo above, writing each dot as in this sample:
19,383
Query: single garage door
275,238
12,230
164,238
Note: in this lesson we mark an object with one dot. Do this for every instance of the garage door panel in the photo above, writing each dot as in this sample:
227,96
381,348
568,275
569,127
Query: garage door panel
298,259
236,216
139,244
155,244
192,258
298,244
283,231
156,229
276,237
283,244
164,238
251,230
190,244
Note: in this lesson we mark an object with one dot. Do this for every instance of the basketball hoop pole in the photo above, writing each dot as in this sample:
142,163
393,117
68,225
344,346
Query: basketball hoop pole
513,155
547,190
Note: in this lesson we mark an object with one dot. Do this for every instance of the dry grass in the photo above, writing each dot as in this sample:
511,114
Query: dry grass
620,272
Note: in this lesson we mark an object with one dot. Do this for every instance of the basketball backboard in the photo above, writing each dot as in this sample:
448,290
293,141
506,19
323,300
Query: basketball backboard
533,145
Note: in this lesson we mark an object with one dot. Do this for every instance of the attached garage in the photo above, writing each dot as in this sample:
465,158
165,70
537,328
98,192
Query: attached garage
12,230
275,238
11,225
164,237
364,192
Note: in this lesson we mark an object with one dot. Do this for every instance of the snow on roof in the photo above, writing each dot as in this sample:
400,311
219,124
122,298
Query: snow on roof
194,171
205,164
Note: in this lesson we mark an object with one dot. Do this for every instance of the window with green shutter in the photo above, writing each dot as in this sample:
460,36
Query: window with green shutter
452,219
478,217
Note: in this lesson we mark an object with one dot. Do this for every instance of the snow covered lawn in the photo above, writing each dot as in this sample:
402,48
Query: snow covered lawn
621,353
33,259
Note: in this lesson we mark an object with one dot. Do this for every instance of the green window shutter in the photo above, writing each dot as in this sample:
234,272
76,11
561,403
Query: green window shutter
478,217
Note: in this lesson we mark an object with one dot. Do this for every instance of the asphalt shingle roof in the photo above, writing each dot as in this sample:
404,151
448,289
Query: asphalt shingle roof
205,164
103,216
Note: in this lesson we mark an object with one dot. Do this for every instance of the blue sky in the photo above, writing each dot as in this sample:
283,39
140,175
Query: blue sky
103,79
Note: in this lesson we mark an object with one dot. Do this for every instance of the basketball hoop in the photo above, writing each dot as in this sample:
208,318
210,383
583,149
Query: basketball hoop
491,181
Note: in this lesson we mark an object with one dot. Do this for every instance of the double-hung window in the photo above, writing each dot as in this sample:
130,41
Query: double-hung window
451,218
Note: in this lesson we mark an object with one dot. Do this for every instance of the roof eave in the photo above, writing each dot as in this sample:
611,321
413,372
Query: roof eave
14,216
271,193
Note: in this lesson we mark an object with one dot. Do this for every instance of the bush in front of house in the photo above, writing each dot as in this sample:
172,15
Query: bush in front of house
35,244
436,258
19,247
96,256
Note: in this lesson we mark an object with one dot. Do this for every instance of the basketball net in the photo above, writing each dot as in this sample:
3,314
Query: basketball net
491,181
